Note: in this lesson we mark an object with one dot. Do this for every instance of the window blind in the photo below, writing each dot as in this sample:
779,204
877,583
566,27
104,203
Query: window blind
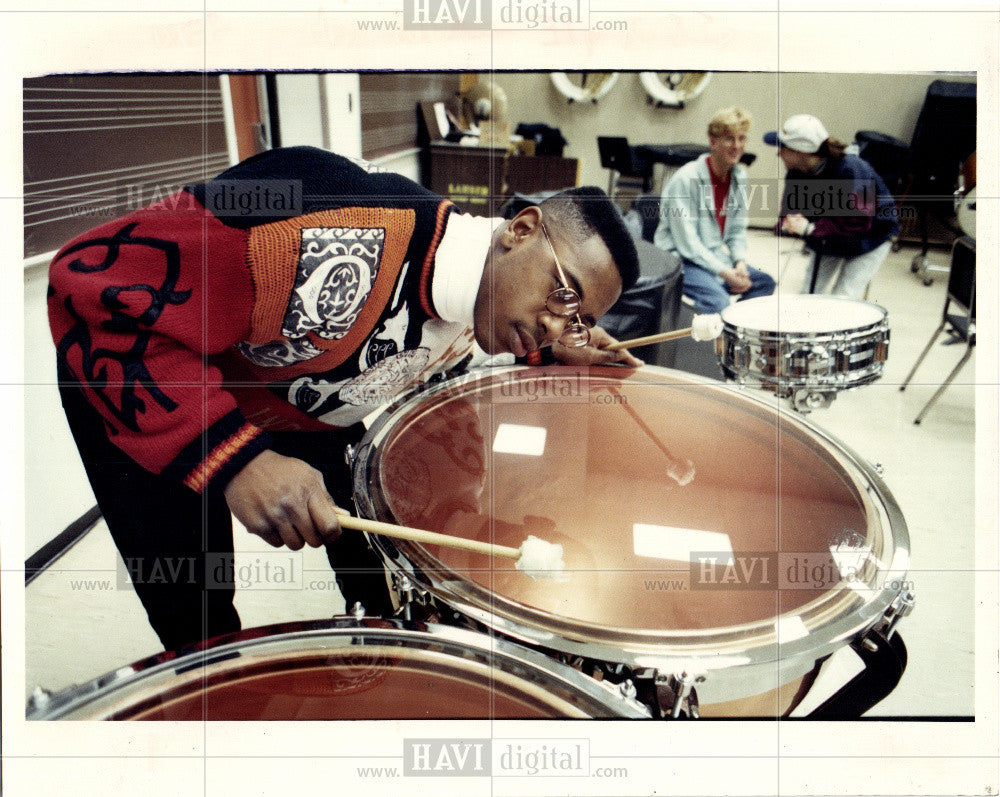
389,102
99,146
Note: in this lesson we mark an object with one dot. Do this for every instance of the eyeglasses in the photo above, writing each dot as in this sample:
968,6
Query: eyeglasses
565,303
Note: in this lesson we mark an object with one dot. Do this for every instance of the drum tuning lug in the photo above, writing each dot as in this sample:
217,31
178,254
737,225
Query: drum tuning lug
818,360
358,611
38,699
879,468
677,694
349,452
403,583
807,400
409,595
898,609
627,689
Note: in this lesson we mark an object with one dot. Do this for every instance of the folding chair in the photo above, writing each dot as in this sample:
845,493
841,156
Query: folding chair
961,296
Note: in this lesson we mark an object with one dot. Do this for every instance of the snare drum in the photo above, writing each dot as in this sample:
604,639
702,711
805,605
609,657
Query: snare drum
787,343
343,669
715,550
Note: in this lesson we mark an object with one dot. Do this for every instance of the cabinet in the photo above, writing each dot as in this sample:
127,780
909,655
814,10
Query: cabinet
477,179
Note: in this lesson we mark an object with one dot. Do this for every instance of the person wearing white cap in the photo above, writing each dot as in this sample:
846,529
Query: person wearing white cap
703,219
838,203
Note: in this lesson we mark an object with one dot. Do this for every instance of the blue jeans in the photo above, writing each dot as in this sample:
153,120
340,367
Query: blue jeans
711,295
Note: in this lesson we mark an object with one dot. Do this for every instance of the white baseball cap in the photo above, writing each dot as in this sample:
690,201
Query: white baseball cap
803,133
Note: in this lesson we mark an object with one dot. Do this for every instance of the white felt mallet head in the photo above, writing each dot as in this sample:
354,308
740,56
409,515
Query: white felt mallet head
706,327
541,559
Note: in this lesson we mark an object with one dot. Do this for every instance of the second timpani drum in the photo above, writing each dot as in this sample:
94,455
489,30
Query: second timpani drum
342,669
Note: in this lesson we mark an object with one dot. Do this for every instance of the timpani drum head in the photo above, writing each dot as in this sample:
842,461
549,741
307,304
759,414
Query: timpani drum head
697,523
344,669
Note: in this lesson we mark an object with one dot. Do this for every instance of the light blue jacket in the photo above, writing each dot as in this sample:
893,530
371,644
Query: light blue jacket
687,225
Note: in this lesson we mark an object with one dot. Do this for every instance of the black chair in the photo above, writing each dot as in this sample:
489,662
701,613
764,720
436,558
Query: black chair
676,155
673,156
686,354
647,206
888,156
650,306
961,297
626,166
943,139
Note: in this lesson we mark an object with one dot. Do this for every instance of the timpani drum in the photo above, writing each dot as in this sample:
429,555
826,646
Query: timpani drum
715,549
804,347
343,669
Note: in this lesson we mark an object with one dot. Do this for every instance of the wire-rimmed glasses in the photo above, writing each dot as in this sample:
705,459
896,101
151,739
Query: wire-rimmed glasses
565,303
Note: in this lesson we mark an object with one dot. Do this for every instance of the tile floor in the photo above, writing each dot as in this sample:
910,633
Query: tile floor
79,624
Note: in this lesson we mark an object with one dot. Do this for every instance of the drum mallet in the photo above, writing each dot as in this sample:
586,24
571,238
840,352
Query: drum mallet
703,327
535,558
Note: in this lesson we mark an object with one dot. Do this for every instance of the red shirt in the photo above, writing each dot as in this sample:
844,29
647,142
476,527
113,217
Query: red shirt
720,192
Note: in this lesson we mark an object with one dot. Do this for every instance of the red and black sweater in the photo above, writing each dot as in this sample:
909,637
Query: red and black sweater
291,292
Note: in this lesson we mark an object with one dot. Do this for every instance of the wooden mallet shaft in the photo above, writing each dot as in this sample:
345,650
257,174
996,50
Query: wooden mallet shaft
660,337
349,521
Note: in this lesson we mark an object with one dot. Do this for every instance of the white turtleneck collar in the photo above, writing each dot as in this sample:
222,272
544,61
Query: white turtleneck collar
459,264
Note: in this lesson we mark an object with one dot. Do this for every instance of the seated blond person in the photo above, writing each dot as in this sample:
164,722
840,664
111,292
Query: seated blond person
703,219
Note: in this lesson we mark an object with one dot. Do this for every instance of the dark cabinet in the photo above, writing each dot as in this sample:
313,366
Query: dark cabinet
477,179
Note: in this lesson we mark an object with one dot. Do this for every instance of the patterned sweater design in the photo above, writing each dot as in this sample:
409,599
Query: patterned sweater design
194,327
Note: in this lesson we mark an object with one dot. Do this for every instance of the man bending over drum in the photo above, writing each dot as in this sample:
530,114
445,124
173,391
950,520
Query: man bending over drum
704,215
218,349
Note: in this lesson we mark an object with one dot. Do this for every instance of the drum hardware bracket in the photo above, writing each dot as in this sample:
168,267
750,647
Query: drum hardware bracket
39,698
806,400
578,663
358,611
627,689
898,609
408,594
675,693
818,360
612,671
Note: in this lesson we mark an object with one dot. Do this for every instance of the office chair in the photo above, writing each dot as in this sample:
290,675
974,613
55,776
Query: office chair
961,296
627,168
